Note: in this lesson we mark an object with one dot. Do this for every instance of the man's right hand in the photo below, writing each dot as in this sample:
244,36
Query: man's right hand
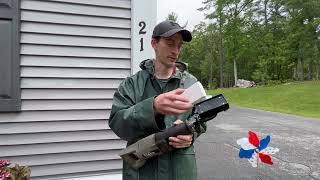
172,103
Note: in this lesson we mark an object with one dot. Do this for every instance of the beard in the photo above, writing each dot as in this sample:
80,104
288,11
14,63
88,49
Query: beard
169,64
166,61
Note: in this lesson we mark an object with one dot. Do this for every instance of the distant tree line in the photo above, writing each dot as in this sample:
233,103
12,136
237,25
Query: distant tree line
260,40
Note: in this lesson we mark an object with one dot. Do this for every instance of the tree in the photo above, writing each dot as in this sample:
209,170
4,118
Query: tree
262,40
172,17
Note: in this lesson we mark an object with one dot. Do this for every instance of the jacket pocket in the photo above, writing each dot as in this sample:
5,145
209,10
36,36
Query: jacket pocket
185,164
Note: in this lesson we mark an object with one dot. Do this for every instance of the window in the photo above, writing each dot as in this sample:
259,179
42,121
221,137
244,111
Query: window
9,56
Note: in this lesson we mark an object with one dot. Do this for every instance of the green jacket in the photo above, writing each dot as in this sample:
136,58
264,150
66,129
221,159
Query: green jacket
132,118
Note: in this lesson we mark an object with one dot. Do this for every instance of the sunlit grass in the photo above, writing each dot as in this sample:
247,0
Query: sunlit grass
298,98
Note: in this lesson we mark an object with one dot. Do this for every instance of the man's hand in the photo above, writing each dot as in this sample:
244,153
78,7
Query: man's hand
181,141
172,103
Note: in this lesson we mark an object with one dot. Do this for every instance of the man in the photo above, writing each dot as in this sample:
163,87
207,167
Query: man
152,100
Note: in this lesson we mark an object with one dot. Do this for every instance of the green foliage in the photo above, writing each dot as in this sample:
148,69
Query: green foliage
297,98
173,17
16,172
19,172
261,40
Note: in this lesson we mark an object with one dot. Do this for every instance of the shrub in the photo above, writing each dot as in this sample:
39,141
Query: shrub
13,173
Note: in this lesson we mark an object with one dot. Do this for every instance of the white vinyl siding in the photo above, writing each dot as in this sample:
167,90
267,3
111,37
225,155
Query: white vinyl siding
74,54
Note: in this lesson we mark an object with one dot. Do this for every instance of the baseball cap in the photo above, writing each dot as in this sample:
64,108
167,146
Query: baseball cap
168,28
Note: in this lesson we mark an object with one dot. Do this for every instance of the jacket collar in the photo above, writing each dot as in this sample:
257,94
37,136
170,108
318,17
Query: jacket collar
179,72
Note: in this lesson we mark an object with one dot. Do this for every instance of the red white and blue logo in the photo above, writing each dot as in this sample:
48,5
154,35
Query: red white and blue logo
256,150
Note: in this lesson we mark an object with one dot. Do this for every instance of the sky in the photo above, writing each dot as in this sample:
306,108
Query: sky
186,10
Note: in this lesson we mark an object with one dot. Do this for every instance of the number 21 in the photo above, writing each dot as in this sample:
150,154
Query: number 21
142,24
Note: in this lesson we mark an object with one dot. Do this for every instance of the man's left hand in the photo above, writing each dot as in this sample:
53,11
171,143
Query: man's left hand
181,141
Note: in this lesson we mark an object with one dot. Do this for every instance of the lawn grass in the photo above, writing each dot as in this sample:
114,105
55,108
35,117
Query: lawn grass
297,98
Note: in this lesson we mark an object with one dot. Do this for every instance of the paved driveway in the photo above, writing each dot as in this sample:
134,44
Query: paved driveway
297,138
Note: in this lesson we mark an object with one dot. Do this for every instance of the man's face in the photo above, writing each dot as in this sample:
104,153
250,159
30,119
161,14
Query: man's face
167,49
